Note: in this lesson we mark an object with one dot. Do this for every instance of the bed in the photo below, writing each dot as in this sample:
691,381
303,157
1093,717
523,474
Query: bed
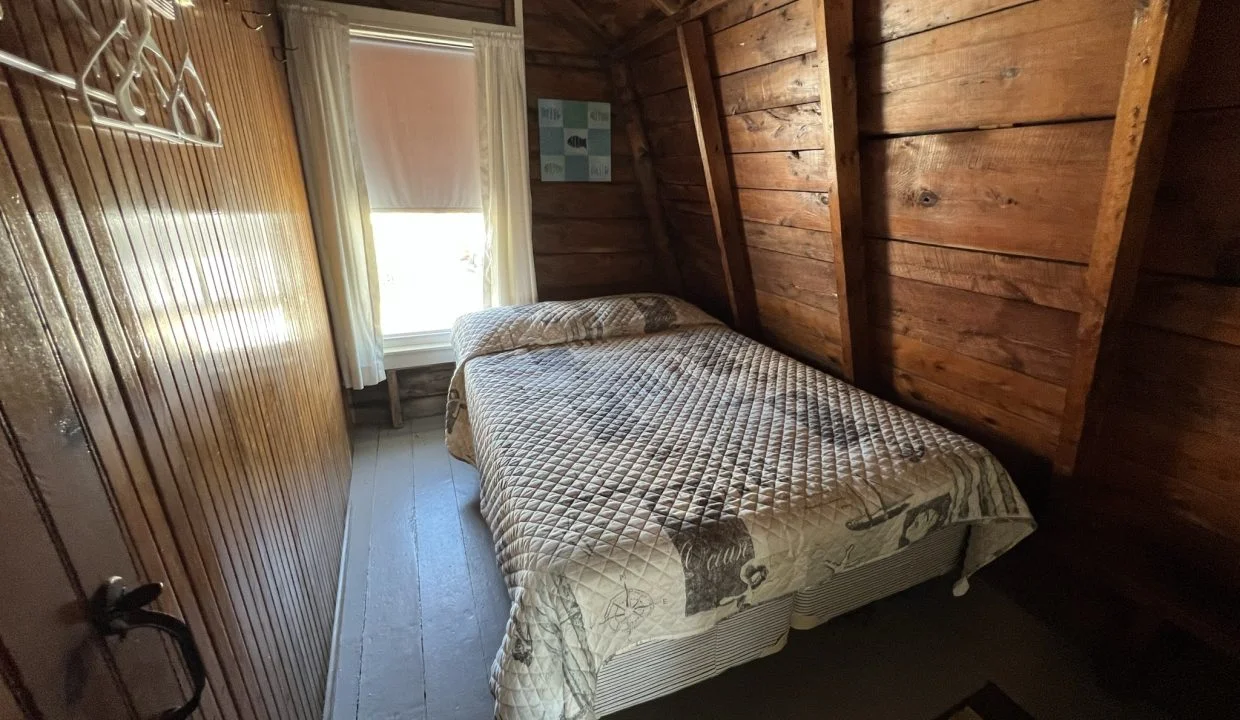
669,497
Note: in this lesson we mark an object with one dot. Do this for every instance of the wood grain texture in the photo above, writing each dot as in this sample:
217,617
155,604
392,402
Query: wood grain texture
719,183
979,420
833,29
798,127
1189,307
647,184
788,82
733,12
1157,52
809,282
567,236
881,20
796,170
800,330
812,244
659,74
1053,284
188,319
808,210
1029,339
1023,191
1016,393
1043,61
782,33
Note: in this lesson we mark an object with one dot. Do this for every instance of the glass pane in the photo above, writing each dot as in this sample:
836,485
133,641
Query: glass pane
430,268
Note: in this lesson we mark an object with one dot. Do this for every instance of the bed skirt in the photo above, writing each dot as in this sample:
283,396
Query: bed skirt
659,668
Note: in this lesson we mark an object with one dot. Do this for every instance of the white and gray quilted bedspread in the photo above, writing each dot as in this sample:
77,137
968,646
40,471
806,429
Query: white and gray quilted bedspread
647,472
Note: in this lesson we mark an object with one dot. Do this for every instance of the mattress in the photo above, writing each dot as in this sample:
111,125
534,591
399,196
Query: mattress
662,667
648,473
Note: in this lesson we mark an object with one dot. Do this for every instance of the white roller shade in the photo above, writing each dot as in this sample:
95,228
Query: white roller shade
416,113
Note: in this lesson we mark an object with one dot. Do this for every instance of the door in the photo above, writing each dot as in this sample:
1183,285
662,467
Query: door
61,530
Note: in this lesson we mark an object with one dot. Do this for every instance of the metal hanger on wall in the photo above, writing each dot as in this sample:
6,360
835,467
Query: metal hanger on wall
128,83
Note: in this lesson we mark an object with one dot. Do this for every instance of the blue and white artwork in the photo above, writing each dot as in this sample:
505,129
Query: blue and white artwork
574,141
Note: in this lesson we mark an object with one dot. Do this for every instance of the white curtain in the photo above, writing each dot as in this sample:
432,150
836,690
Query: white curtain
318,73
504,154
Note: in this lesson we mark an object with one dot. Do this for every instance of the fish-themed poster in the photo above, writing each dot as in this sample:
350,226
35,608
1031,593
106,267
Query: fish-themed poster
574,141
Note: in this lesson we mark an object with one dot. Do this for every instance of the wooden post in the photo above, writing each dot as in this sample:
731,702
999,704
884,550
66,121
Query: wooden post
647,185
833,25
393,389
723,207
1162,32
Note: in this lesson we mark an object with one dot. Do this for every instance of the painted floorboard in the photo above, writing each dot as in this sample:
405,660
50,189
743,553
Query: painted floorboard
348,671
490,594
456,671
392,662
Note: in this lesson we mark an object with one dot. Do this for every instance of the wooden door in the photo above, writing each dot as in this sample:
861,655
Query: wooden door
62,530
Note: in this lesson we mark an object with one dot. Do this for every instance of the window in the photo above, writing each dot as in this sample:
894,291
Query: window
414,105
430,269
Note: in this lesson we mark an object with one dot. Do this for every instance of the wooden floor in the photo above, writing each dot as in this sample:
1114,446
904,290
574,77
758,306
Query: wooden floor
424,608
424,605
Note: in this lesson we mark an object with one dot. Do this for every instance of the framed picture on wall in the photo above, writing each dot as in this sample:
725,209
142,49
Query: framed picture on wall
574,141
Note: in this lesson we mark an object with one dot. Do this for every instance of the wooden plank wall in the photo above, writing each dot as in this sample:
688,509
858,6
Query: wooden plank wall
182,289
489,11
1164,455
423,393
976,233
762,59
589,238
985,127
987,139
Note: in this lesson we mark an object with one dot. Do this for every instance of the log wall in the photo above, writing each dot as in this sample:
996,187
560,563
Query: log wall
589,238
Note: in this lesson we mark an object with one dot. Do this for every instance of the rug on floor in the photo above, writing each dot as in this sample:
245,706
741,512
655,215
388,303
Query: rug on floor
989,703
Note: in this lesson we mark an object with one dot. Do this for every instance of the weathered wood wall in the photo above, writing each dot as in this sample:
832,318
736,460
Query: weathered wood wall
589,238
172,295
975,232
985,130
1162,465
423,393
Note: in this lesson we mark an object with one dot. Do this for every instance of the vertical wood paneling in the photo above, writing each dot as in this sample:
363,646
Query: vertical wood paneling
191,280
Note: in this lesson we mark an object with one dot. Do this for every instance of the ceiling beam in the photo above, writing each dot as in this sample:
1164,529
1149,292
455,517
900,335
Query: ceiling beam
833,26
580,23
667,7
647,34
724,210
1158,47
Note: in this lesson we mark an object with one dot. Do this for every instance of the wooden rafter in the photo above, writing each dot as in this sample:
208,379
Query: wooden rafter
581,23
1158,48
647,185
653,31
725,212
833,25
667,7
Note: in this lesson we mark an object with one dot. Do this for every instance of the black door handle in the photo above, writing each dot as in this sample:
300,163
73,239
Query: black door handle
115,610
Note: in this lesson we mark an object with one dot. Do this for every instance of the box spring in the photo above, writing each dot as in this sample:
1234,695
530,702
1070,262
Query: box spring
662,667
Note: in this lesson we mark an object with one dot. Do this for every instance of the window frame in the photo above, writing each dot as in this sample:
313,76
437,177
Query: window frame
423,348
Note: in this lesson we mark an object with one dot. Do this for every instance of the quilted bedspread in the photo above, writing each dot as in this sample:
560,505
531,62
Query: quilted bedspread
647,472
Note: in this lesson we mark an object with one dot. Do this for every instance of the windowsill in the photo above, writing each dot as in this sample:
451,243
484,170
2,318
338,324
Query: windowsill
417,349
